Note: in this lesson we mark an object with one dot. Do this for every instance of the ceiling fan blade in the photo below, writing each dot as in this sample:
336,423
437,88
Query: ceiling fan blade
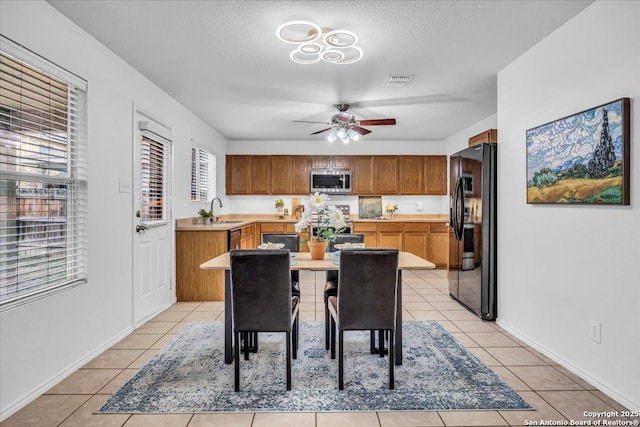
320,131
308,121
361,131
377,122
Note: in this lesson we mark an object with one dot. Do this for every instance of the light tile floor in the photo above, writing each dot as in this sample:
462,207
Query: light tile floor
555,393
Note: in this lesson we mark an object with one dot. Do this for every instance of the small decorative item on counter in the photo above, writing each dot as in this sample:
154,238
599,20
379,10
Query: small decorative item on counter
391,209
286,212
279,204
207,216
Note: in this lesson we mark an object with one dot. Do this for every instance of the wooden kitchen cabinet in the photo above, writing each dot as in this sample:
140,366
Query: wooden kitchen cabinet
290,175
488,136
260,174
416,238
435,175
370,232
370,175
238,174
362,170
390,235
247,174
411,174
331,162
281,177
300,175
248,239
386,174
192,249
438,246
341,162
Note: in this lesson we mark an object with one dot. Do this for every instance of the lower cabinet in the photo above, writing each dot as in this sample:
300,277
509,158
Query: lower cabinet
428,240
192,249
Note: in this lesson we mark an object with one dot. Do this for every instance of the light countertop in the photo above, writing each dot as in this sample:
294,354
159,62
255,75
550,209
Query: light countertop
229,222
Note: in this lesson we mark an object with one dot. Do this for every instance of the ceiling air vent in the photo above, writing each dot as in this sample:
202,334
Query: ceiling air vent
398,80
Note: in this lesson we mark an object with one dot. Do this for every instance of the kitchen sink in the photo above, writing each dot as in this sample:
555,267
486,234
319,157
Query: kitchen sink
228,222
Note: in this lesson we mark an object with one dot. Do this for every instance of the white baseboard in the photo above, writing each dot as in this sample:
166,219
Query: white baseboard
47,385
623,400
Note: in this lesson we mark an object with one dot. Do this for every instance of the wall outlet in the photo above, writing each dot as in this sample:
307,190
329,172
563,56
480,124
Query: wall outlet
596,328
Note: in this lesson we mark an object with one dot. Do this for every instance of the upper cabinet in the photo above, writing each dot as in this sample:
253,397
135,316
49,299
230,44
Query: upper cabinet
362,170
386,174
238,174
370,175
245,174
331,162
435,174
425,175
412,174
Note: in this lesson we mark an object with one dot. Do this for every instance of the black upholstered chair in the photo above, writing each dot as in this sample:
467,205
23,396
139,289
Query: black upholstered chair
262,301
291,242
367,292
331,285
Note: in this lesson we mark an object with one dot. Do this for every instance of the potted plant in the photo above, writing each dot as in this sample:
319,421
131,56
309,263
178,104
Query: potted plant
279,203
207,216
322,221
391,209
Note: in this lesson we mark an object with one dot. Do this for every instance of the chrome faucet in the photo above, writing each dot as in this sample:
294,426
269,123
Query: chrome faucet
213,218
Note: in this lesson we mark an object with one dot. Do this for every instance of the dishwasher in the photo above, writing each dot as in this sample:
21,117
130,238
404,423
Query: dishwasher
235,236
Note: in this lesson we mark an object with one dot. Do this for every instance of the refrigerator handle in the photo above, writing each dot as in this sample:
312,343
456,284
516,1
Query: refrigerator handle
458,210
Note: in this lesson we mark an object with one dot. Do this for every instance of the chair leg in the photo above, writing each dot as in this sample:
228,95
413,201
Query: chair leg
237,362
294,337
340,360
254,347
246,336
333,337
381,340
288,360
327,332
392,362
372,339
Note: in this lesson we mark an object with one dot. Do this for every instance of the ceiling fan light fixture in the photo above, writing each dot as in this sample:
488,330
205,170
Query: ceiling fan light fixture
315,43
296,32
304,58
340,38
310,48
332,55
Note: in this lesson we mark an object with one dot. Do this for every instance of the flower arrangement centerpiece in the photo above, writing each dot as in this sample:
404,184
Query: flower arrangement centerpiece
322,221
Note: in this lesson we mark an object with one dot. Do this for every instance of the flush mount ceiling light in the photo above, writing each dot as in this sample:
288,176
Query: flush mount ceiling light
315,43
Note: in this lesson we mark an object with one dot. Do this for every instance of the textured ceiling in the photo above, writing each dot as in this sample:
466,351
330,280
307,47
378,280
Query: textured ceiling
223,61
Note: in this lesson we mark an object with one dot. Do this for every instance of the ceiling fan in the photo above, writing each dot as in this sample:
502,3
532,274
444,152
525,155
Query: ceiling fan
345,127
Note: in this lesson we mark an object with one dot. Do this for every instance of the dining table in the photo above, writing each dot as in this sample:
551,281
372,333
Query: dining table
302,261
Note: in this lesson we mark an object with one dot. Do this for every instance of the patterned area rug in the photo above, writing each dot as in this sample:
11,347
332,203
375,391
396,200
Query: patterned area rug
189,375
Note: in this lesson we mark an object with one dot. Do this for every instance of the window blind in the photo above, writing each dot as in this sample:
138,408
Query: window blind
203,177
43,185
154,173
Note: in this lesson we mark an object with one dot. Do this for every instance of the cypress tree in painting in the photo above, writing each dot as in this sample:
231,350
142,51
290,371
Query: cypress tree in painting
604,156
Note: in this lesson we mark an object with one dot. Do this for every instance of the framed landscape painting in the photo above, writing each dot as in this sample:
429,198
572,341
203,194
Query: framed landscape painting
581,159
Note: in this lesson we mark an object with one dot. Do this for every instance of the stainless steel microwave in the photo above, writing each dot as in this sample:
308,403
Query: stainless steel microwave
331,181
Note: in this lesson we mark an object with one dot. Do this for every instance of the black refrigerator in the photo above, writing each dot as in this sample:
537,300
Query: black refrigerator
472,260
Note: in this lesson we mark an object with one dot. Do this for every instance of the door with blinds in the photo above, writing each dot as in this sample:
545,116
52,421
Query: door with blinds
152,241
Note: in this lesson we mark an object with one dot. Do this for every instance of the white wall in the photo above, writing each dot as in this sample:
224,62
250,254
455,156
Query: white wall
44,341
406,204
562,266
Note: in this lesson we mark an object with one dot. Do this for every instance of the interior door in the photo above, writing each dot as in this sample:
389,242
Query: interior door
152,288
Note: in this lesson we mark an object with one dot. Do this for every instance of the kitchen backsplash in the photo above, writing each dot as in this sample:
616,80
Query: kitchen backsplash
406,204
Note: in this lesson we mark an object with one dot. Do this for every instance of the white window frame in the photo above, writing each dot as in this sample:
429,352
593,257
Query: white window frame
26,276
196,191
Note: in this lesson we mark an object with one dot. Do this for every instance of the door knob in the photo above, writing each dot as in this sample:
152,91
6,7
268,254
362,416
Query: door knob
141,227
